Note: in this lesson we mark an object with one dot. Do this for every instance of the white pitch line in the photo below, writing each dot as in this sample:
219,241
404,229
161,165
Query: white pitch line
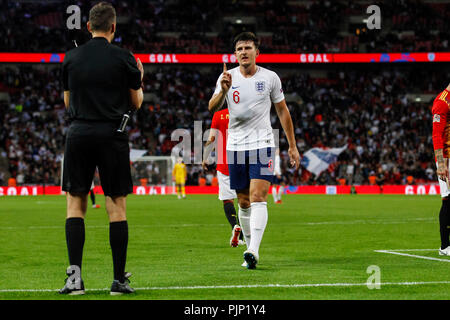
186,225
409,250
412,255
370,221
305,285
106,226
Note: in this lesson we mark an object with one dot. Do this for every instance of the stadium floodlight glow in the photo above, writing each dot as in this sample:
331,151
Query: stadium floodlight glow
293,58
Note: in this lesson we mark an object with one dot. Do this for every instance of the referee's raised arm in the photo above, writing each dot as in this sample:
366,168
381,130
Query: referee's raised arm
102,84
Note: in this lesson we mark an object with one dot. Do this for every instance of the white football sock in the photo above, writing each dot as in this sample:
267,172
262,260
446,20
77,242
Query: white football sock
244,221
274,194
280,192
258,222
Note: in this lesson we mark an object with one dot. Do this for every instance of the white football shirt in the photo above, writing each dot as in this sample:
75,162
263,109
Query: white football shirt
249,101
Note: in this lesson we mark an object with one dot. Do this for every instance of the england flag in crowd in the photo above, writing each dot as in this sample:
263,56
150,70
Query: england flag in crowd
316,160
136,154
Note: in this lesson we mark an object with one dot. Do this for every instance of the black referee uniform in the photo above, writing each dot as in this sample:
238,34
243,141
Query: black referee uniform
98,76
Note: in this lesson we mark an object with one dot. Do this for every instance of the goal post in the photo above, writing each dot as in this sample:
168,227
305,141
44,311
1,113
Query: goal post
153,171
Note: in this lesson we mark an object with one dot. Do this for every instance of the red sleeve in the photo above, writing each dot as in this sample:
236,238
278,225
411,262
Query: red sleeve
440,110
214,122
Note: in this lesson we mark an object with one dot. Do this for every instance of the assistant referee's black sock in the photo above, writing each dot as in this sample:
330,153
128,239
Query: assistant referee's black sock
230,213
118,239
92,194
75,235
444,220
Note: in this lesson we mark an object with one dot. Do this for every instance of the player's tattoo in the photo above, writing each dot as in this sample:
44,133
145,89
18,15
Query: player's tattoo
442,169
439,157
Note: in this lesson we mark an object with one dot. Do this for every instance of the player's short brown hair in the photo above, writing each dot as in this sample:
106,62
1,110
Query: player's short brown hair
102,16
246,36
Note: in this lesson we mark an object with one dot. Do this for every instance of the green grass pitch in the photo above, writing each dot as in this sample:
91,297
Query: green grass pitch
314,247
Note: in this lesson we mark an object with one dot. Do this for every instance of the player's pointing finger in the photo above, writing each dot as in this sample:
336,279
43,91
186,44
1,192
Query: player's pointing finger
224,67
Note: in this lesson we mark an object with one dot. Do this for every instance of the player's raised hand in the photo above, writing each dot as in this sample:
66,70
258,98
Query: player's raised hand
294,157
225,83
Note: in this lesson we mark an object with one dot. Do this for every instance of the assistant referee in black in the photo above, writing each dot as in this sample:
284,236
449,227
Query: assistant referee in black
101,83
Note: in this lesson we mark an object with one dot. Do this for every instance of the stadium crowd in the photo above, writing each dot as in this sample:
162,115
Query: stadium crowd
284,26
388,137
386,133
366,109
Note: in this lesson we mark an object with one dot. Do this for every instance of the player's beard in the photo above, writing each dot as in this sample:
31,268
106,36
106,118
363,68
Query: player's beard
247,63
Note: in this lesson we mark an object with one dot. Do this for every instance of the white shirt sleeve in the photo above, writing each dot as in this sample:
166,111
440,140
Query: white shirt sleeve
218,87
276,93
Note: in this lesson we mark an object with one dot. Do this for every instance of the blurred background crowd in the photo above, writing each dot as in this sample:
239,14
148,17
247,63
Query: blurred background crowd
206,26
381,112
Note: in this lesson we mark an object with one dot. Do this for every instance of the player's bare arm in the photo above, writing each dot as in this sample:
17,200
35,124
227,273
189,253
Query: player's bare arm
208,148
440,109
67,98
442,170
137,96
218,99
286,122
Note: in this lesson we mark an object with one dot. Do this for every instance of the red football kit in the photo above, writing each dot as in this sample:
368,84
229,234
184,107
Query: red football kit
441,123
220,122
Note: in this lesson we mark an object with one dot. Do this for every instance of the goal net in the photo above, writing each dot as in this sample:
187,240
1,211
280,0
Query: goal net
153,171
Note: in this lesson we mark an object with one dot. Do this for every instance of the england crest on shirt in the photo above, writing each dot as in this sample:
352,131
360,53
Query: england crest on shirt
260,86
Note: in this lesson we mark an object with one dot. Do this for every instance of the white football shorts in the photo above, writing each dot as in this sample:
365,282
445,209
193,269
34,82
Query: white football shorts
225,192
445,192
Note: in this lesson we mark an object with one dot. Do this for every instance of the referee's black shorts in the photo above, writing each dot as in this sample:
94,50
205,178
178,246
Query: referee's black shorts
96,144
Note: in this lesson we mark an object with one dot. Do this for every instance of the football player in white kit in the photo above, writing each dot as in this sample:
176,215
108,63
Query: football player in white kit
278,180
249,91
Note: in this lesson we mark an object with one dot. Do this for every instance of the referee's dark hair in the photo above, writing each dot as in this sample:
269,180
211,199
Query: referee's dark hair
102,16
246,36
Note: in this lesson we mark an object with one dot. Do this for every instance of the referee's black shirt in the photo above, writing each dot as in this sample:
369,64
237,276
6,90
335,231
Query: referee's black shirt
99,76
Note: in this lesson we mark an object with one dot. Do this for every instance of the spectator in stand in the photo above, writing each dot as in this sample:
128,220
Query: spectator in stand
358,179
214,181
202,181
380,179
342,182
12,182
372,178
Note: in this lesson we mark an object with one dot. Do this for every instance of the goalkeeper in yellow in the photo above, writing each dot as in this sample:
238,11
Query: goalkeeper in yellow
179,175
